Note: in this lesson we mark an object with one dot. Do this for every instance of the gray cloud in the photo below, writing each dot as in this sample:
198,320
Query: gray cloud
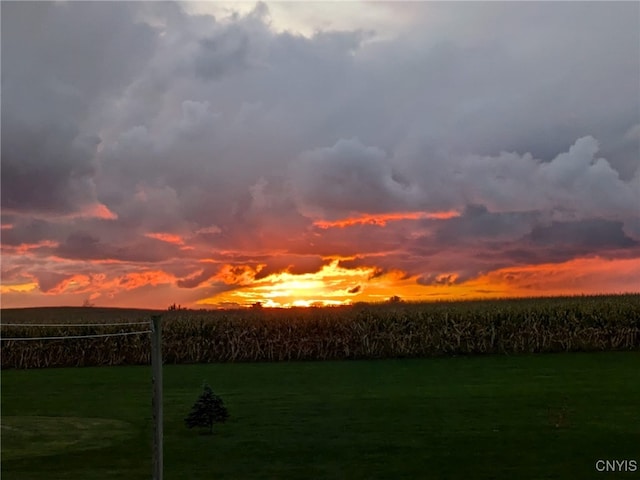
348,177
222,53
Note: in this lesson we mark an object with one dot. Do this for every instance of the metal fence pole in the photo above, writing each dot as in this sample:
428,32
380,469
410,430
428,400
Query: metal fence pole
156,401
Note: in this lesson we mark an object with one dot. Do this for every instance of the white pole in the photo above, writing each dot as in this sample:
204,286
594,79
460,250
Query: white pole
156,401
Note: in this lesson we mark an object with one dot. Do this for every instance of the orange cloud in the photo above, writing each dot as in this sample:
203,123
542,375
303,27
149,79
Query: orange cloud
238,274
579,276
99,283
105,261
75,283
382,219
166,237
95,210
100,211
24,248
139,279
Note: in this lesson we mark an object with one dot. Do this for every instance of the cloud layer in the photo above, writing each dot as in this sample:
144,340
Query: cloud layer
153,153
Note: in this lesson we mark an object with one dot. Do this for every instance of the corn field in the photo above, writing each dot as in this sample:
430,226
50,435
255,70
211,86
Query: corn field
364,331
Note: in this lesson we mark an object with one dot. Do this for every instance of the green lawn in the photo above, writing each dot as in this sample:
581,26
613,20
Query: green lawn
499,417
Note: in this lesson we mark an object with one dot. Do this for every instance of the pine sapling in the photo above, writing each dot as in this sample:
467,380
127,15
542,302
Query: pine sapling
207,410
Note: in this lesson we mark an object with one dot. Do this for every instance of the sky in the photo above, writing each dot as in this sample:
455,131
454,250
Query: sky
222,154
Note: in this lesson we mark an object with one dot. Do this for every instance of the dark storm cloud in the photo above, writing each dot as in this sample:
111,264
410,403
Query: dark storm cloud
59,62
46,170
592,235
29,232
84,245
478,224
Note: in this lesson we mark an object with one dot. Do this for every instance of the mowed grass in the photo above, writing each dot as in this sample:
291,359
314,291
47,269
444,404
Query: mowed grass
499,417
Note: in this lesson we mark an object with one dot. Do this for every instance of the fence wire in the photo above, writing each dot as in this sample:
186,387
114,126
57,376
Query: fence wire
71,324
16,339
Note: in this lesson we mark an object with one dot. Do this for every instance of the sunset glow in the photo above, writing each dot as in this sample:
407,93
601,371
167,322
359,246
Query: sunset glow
334,285
329,286
381,220
319,154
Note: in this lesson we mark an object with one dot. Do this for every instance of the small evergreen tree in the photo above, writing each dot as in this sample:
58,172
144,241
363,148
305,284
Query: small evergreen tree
207,410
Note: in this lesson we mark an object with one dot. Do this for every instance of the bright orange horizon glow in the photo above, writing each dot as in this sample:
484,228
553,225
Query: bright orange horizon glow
335,285
382,219
329,286
341,280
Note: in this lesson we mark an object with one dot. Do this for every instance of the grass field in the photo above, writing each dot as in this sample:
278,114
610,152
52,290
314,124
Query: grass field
501,417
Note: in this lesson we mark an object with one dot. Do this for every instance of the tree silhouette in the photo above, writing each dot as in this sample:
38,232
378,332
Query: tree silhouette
394,300
207,410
